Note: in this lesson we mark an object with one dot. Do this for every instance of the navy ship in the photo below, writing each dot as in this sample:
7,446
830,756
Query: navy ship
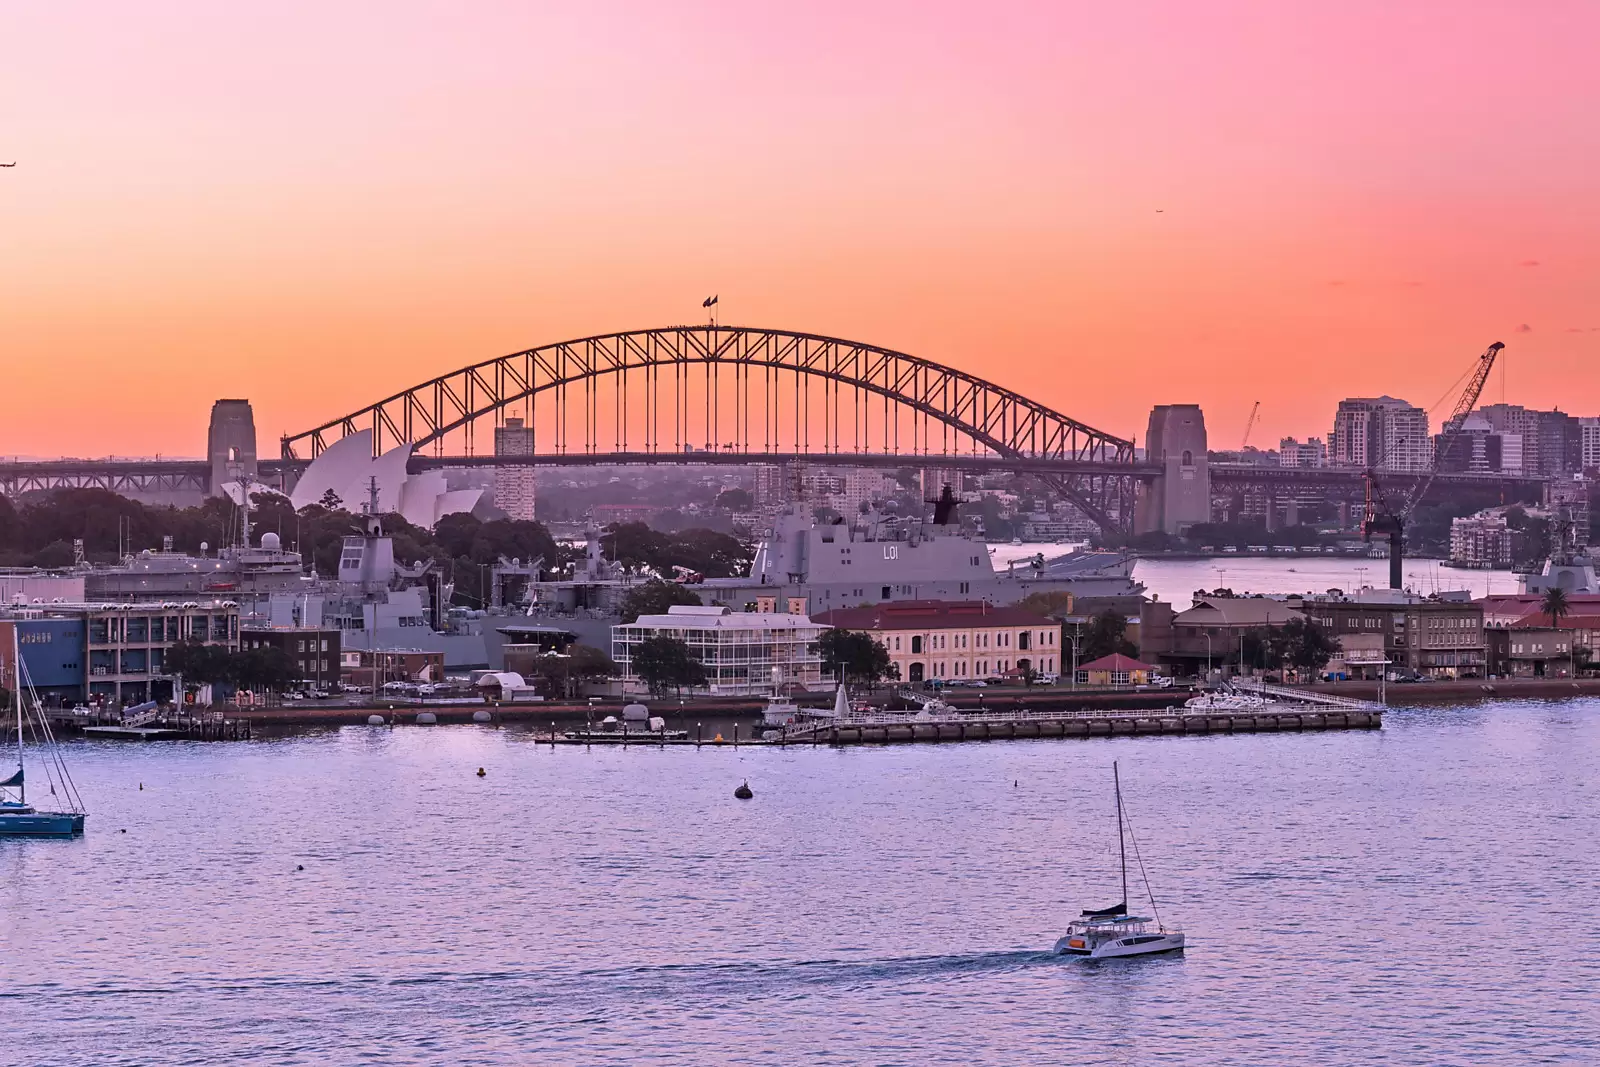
805,567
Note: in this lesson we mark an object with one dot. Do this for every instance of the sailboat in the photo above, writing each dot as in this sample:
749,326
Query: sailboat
1102,933
18,818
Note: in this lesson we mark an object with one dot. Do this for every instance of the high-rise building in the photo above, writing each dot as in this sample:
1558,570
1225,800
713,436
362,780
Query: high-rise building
1589,443
1481,540
514,486
1478,448
1552,441
1308,453
1382,433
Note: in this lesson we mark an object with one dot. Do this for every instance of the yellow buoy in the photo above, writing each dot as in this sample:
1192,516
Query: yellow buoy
717,740
482,772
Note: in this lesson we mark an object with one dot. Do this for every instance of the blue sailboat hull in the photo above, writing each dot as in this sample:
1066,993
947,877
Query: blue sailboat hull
40,824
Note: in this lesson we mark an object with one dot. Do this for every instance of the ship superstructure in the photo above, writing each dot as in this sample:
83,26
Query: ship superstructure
805,567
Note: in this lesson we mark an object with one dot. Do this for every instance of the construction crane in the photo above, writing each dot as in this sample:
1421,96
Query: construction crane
1382,518
1249,425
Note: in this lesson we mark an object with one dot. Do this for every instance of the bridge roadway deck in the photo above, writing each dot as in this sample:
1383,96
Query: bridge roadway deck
136,475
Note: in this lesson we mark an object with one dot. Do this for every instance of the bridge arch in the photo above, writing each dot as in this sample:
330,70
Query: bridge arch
740,389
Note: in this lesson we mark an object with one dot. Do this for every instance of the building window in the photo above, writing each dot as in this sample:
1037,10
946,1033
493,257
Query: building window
916,646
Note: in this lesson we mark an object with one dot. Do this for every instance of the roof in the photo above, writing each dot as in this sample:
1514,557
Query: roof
719,619
1538,620
932,615
1236,611
1115,662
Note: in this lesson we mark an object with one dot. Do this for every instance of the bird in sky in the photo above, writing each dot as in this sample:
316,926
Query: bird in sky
7,164
1159,210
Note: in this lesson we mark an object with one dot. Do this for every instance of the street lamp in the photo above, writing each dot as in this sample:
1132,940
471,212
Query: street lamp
1074,640
1208,655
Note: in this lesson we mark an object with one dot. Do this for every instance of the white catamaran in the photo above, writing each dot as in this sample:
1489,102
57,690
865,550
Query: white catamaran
1106,932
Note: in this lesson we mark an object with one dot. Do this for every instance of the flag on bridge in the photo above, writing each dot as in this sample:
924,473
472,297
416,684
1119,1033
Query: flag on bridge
708,301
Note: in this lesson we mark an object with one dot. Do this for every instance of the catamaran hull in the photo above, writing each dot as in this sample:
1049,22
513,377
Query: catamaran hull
41,824
1136,945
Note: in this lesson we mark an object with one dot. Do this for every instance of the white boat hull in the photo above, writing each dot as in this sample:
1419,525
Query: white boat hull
1132,945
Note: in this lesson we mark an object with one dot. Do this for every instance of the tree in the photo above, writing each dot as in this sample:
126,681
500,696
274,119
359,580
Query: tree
654,598
1106,635
1555,604
1307,646
736,499
197,662
562,674
861,660
662,662
330,501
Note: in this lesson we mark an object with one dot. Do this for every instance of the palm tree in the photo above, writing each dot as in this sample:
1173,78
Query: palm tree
1556,605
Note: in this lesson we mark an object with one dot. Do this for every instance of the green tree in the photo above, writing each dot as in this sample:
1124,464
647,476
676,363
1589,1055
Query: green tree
1555,604
862,660
736,499
1307,646
654,598
330,501
1107,633
198,663
662,662
563,674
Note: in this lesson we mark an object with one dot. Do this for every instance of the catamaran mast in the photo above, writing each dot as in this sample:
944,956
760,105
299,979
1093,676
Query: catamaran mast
1122,842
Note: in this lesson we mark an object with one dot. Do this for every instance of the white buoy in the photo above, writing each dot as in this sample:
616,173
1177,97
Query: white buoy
481,716
374,720
426,718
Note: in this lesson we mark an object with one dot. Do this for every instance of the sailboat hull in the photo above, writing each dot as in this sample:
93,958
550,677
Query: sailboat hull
40,824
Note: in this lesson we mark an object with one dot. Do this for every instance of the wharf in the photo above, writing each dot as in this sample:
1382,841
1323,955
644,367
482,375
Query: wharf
1030,724
176,729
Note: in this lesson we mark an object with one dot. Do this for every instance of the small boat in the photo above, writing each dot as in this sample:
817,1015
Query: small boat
1104,933
18,818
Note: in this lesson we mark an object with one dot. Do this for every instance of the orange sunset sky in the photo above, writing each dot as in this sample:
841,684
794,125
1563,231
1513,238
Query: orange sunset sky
316,204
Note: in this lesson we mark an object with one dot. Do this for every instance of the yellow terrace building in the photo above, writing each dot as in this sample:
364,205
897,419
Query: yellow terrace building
959,639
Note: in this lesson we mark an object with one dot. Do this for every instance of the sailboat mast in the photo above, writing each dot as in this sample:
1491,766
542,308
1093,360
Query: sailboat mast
16,695
1122,841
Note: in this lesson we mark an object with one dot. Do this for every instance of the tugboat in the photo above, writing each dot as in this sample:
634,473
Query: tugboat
18,818
1103,933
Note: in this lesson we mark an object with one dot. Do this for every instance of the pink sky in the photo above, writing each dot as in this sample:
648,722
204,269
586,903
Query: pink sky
314,205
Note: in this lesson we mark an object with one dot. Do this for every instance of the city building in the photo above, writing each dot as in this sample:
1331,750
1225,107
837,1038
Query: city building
1438,636
1481,541
1208,635
1589,443
1480,448
1526,642
514,486
1311,452
115,653
378,667
950,640
53,654
742,652
1382,433
1552,441
314,651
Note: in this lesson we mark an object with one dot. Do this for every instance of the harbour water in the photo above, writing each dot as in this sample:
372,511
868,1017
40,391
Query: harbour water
1420,894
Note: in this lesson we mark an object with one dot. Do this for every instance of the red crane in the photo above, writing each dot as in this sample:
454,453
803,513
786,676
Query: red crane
1380,517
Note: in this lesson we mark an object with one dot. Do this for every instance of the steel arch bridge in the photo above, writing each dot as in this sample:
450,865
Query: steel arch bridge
681,391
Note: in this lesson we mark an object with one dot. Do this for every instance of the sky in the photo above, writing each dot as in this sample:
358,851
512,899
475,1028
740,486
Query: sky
1103,206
